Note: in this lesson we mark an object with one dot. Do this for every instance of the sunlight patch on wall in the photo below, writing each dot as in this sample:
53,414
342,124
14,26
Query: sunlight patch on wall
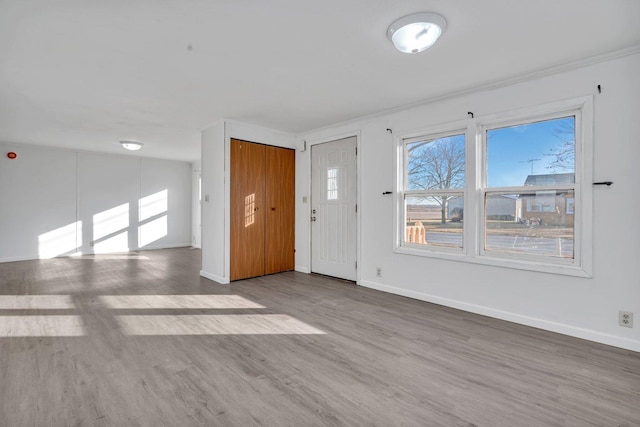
152,215
63,240
234,324
177,302
41,326
152,231
117,243
154,204
36,302
110,230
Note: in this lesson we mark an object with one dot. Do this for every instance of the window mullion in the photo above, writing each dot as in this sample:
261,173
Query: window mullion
530,188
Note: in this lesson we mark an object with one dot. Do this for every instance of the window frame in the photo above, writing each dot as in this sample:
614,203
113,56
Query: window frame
475,189
403,192
522,189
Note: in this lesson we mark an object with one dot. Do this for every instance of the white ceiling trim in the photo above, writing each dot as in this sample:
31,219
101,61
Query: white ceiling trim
543,72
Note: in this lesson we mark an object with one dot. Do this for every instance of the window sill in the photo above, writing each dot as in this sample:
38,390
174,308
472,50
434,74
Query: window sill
519,264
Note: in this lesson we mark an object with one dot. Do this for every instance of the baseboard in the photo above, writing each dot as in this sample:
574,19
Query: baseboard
146,248
156,247
17,258
302,269
587,334
214,277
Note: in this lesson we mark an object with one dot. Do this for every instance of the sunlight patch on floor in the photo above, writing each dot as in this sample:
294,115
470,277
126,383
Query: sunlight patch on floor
41,326
235,324
109,256
36,302
177,301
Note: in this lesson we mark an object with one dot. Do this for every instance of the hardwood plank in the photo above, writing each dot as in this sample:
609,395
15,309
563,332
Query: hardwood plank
380,360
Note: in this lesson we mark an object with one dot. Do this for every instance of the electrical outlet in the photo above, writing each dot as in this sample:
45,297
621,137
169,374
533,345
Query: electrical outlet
625,318
378,272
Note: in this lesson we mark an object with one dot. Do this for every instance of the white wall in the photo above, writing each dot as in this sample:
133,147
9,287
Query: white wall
58,202
174,178
216,188
583,307
37,197
213,199
196,208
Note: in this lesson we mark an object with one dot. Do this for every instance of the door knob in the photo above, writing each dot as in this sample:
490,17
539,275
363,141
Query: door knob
313,211
313,219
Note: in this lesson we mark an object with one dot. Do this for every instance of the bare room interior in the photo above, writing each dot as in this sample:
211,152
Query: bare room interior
416,213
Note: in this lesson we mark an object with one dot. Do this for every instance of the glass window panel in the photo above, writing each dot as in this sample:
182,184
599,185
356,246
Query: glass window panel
436,163
434,220
546,229
539,153
332,184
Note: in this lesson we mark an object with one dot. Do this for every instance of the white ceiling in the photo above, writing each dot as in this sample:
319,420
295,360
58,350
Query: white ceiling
84,74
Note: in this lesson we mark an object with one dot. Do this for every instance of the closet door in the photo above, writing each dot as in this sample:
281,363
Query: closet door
280,210
247,210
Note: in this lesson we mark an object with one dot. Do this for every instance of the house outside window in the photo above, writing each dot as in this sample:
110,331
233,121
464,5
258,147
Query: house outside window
533,164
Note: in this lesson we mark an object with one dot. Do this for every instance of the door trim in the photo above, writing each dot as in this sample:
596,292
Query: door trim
307,207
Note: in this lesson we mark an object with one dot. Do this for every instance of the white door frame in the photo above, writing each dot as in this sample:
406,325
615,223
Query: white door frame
323,140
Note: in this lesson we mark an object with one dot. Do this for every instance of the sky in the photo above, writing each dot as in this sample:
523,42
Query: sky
510,149
513,153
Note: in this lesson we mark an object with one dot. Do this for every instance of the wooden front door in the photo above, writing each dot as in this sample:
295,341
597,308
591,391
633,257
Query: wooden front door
262,210
280,210
247,222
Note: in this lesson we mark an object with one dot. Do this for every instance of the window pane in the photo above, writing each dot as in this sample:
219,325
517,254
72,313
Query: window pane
434,220
536,223
436,163
540,153
332,184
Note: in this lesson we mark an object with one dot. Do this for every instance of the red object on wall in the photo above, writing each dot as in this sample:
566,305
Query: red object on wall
11,155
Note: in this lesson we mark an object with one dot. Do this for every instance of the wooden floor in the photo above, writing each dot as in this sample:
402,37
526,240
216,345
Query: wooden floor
142,340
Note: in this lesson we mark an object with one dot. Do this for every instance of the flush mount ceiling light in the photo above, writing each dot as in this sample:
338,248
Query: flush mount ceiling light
131,145
416,32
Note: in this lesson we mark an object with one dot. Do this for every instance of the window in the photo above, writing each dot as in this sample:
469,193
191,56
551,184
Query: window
434,191
508,190
332,183
530,185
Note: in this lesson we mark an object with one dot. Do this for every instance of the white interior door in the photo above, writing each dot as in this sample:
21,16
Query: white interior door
333,208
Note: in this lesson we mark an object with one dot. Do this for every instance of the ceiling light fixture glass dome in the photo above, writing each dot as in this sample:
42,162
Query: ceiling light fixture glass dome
131,145
416,32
